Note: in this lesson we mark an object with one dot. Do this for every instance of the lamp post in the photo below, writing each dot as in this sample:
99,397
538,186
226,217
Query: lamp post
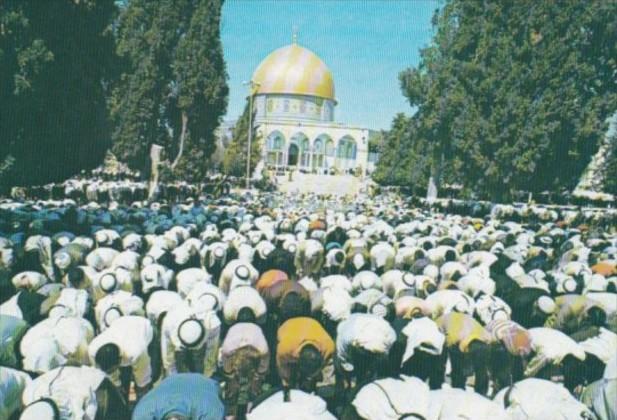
253,87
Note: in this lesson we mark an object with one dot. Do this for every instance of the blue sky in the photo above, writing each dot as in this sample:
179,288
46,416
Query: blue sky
365,43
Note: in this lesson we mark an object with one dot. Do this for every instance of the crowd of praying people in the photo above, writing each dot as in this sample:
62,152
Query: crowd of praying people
266,306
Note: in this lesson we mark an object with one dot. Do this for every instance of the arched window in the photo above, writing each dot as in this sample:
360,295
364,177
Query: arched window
346,152
275,144
305,152
330,148
320,146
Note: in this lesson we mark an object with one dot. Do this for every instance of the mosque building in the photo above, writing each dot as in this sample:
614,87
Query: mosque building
294,103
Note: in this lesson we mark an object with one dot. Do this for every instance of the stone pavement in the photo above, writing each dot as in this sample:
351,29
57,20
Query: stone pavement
320,184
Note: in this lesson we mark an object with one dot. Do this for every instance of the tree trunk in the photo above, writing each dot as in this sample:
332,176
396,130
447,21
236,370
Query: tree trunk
185,120
432,191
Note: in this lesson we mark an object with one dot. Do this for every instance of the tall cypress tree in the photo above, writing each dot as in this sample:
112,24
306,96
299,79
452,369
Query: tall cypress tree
515,95
234,160
56,62
173,91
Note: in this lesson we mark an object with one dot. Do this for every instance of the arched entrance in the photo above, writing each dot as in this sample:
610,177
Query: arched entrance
292,155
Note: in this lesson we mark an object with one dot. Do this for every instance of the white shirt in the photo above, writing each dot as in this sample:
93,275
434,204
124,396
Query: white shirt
31,280
56,341
101,258
487,306
309,257
551,346
366,331
448,269
473,285
442,302
206,297
127,303
242,297
73,302
132,334
301,406
608,301
161,301
422,334
390,398
382,254
155,275
73,389
170,341
189,277
534,398
365,280
393,281
336,280
454,403
229,280
11,307
335,302
603,346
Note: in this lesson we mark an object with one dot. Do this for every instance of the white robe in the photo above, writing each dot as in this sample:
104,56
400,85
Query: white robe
539,399
56,341
454,403
390,398
242,297
127,303
302,406
551,347
422,334
73,389
170,341
132,334
366,331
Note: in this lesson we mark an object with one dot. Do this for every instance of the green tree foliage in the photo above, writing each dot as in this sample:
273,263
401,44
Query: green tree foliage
610,175
234,161
404,156
56,61
173,90
514,95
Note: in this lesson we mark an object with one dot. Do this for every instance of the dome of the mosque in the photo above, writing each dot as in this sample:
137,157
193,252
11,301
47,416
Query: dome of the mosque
294,70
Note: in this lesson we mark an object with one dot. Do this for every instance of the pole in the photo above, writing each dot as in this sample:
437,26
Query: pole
248,158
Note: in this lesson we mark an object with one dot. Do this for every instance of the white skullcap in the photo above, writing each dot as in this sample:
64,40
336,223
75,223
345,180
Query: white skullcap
409,279
500,315
108,282
379,309
546,304
111,314
219,252
191,332
569,285
242,272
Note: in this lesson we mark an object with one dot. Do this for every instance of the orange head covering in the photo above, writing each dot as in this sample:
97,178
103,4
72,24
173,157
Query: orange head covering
270,278
317,225
605,268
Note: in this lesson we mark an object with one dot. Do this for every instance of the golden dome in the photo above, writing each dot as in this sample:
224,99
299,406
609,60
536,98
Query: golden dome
294,70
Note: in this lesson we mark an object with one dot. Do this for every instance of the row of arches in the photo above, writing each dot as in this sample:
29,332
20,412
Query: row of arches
322,152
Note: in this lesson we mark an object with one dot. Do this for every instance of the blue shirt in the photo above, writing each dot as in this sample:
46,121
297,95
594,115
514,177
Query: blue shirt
189,394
